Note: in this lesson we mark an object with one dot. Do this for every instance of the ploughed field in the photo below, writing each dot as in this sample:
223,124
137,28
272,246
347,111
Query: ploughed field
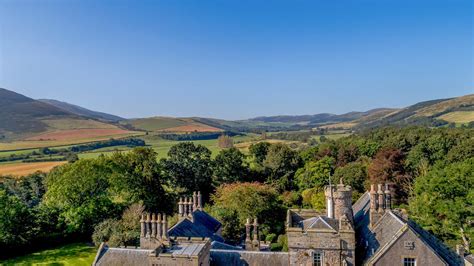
22,169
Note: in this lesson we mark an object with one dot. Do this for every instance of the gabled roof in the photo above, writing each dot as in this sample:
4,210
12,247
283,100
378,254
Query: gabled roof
373,242
320,222
201,225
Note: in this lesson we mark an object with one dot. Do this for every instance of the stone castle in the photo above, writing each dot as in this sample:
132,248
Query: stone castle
368,232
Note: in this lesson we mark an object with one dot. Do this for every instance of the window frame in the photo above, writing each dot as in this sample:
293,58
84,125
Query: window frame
321,257
412,262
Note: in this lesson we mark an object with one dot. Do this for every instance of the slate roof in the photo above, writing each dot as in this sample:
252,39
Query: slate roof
389,228
184,250
320,222
121,256
201,225
222,246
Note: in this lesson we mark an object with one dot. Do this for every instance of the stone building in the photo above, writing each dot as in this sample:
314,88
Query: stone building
387,237
324,239
369,232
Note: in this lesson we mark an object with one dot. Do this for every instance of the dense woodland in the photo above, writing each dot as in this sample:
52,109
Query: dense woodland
431,172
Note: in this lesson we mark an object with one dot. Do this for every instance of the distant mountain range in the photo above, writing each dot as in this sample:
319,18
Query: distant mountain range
21,116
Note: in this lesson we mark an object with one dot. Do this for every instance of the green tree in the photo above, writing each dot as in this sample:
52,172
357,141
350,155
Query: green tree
189,167
259,151
81,192
315,174
120,232
15,221
353,174
250,200
229,166
281,164
443,202
136,177
30,189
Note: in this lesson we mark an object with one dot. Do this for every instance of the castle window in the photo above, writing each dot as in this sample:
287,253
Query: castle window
409,262
317,258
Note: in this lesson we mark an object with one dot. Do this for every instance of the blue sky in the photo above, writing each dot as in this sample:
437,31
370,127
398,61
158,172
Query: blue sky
237,59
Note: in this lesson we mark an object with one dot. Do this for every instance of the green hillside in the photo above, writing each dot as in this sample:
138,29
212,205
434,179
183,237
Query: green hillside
78,110
22,117
155,123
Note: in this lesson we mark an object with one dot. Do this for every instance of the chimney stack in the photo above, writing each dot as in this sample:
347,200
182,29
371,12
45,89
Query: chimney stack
288,219
381,199
194,201
190,206
153,225
256,240
142,226
199,200
159,231
148,229
329,192
180,207
164,223
388,198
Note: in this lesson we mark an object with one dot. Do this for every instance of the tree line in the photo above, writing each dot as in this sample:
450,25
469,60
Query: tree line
430,172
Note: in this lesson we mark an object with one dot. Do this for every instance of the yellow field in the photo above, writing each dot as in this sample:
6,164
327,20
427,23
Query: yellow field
22,169
345,125
68,124
31,144
459,117
442,106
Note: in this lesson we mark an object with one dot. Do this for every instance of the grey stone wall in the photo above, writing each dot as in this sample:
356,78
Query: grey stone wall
409,245
250,258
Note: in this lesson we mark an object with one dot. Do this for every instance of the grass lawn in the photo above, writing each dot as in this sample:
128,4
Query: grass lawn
72,254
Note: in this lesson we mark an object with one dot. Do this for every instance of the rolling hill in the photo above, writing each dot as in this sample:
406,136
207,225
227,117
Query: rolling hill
170,124
82,111
23,118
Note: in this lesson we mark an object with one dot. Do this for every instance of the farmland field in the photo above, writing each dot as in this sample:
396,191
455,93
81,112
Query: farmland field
156,123
21,169
459,117
195,127
170,124
79,134
66,140
68,255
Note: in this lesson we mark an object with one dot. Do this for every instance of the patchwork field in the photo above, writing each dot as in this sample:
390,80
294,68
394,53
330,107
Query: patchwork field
459,117
169,124
193,128
69,255
67,137
21,169
79,134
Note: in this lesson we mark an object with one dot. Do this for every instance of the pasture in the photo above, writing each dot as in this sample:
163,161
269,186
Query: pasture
460,117
69,255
